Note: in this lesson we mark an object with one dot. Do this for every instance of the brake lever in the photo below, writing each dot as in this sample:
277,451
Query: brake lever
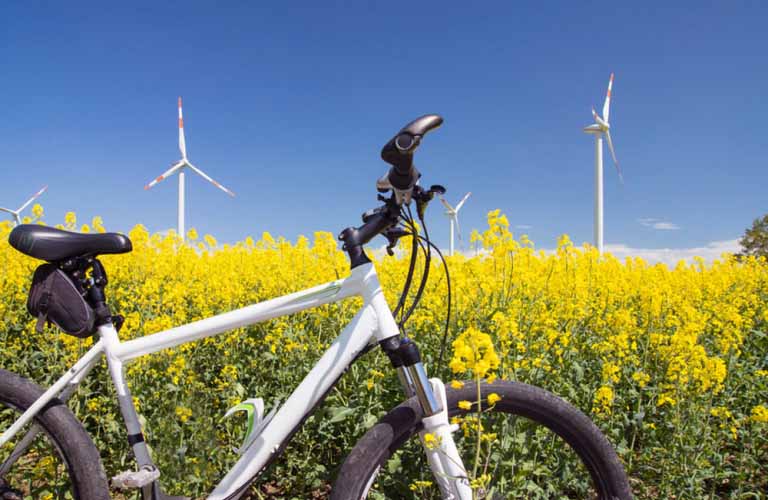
392,235
423,197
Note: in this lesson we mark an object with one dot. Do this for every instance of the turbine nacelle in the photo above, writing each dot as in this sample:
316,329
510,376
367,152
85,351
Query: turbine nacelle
593,129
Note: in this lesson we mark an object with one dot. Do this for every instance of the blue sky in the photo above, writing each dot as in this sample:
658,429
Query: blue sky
288,104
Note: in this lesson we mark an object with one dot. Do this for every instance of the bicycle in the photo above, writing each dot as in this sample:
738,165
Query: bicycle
425,415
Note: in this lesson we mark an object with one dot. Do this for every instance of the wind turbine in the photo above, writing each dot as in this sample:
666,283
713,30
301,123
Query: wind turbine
453,217
181,166
17,213
599,128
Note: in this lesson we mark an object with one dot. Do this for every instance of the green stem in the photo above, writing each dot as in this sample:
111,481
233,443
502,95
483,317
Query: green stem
479,428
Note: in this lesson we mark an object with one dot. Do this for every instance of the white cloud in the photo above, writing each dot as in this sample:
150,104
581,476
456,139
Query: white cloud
658,224
666,226
672,256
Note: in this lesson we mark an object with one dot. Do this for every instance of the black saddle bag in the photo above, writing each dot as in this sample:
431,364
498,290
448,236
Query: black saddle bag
55,298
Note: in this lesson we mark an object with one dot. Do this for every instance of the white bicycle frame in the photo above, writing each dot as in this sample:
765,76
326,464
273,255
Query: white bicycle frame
373,323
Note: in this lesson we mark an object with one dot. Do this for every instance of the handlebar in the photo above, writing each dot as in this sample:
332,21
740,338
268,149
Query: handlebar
398,152
402,179
383,221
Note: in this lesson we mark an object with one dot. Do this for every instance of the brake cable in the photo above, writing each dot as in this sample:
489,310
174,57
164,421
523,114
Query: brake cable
425,274
448,309
449,294
409,277
409,223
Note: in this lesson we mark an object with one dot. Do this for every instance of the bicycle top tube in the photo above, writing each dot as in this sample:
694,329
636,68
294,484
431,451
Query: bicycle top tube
362,281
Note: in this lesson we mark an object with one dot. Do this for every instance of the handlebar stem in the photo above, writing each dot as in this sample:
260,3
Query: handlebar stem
374,224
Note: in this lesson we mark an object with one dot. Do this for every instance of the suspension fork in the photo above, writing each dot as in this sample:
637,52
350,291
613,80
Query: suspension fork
447,467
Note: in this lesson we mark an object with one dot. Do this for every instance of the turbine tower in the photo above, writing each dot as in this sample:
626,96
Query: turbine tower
599,128
181,166
453,217
17,213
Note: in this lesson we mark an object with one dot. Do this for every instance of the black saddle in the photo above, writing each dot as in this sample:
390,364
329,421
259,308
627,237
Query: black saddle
54,245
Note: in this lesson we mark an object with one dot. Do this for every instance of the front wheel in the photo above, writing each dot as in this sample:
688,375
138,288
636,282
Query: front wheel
52,457
523,443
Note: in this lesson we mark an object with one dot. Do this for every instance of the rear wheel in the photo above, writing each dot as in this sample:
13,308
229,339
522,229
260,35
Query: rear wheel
536,446
60,461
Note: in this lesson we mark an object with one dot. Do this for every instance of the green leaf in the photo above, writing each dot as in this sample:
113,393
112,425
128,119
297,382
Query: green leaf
369,420
339,413
394,464
578,372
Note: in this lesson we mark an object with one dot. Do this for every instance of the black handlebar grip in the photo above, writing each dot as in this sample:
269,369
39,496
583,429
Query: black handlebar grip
398,152
406,143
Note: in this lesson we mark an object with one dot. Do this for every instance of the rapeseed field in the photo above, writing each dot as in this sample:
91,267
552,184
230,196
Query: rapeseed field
671,363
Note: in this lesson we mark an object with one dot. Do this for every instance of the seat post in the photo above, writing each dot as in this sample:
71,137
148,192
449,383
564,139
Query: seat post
96,294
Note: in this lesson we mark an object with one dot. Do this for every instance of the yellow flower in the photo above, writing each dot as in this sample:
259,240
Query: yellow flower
759,414
665,399
493,398
474,351
37,210
720,412
192,234
420,485
210,241
603,400
489,437
430,441
98,224
183,413
456,384
480,482
465,405
641,378
70,219
610,373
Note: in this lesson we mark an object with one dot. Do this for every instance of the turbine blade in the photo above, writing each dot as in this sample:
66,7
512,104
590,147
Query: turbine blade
613,155
166,174
34,197
461,203
3,209
182,142
445,203
607,103
206,177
